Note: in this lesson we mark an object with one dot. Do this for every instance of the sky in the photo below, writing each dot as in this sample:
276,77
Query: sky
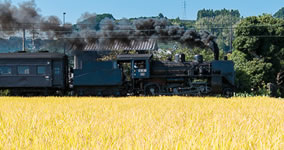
137,8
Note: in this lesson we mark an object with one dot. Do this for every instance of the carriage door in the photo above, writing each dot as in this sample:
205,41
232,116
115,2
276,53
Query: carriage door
57,73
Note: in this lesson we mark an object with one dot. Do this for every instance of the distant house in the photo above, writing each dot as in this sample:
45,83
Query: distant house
97,51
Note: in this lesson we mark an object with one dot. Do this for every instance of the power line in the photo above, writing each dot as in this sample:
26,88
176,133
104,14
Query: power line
163,37
133,25
198,26
65,33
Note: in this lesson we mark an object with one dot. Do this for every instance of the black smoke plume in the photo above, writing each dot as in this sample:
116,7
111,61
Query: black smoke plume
151,28
26,16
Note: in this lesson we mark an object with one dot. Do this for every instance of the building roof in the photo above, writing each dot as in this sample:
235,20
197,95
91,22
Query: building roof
138,45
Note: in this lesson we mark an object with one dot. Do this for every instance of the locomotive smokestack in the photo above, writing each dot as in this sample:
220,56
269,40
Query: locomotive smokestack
24,41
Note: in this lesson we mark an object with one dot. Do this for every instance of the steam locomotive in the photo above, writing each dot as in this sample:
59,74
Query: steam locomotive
44,73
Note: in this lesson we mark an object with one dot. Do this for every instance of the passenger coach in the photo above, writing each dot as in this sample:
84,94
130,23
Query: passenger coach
39,73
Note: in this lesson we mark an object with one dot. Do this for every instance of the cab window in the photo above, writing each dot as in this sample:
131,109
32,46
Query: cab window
140,64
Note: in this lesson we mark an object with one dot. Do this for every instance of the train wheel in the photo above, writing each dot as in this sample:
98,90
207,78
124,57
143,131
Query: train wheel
152,90
228,92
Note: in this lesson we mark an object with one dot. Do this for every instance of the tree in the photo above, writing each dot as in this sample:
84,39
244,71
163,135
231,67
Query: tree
250,74
279,13
261,37
220,26
191,52
205,13
93,22
261,40
165,52
161,15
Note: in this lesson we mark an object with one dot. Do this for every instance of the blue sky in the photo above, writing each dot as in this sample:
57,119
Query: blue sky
136,8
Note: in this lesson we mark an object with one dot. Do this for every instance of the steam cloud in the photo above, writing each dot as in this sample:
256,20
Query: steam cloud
26,16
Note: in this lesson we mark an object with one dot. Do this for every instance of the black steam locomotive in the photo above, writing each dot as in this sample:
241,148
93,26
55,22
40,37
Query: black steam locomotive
46,73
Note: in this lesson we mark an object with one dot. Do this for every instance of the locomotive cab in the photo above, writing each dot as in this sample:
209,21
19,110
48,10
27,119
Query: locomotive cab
140,64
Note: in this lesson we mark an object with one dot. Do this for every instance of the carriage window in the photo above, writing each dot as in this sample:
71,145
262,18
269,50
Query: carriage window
57,70
5,70
41,70
23,70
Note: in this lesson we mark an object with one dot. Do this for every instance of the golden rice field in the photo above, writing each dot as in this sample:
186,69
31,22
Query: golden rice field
141,123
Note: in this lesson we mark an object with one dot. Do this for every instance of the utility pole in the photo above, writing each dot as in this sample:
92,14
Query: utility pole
184,9
231,31
34,32
64,45
33,39
64,13
24,40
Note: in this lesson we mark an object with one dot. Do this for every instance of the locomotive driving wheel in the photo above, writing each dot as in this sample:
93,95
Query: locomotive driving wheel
152,90
227,92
